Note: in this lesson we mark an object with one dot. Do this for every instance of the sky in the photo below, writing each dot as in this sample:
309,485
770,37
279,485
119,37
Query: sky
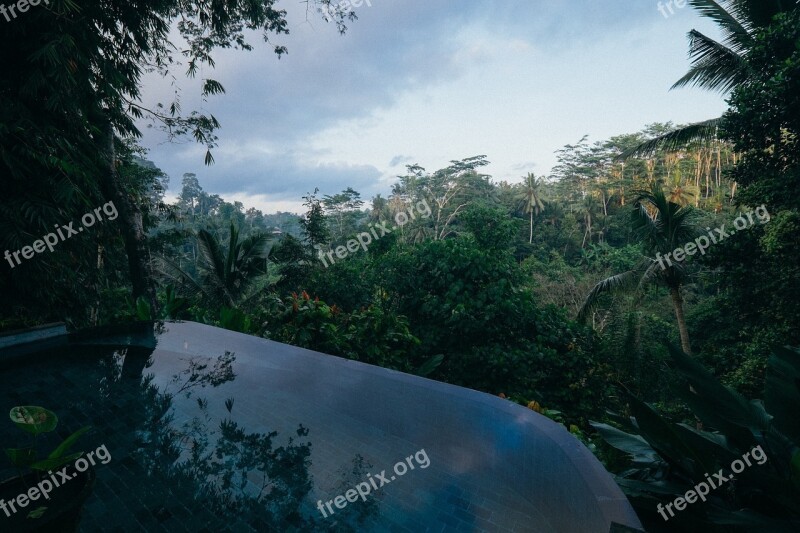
426,82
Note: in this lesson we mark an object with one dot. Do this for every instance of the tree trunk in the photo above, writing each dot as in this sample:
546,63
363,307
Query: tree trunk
588,230
130,222
530,241
677,302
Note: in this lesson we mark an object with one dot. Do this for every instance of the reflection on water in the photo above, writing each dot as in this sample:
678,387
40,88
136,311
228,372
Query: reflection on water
260,480
223,439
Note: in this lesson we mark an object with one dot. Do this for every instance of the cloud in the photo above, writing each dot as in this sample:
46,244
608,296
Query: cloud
400,160
527,166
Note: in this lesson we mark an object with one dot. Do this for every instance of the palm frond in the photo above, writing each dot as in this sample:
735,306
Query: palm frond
701,132
185,284
619,282
647,227
715,67
654,272
256,246
662,225
234,250
216,268
211,253
735,24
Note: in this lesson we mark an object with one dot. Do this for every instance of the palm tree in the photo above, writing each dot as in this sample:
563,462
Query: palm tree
717,65
531,199
586,208
682,193
225,276
379,210
661,226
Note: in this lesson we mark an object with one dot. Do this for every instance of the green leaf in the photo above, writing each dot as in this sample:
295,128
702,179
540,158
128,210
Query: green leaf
68,443
21,457
717,405
38,512
782,395
634,445
212,87
33,419
633,487
430,365
795,465
665,439
52,464
143,309
234,320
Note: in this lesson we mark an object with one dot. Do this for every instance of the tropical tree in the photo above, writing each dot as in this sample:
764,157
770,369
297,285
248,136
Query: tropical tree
682,193
313,223
586,208
531,199
379,210
718,66
448,192
225,276
660,226
344,208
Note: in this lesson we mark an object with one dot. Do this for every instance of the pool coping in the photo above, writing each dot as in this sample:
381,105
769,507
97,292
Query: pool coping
21,342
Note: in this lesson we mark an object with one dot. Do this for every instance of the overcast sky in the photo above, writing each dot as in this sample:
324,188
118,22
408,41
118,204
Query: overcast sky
429,81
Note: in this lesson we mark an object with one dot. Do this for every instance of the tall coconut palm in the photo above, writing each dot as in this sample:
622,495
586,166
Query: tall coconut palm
661,226
531,198
717,65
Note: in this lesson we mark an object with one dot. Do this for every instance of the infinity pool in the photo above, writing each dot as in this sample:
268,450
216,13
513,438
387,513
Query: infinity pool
211,430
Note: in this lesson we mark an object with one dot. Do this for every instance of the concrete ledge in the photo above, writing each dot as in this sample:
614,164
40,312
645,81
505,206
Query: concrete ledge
21,342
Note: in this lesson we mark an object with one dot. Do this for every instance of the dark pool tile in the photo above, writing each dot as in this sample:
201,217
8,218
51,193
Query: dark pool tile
453,489
485,525
479,511
464,515
448,519
441,528
458,502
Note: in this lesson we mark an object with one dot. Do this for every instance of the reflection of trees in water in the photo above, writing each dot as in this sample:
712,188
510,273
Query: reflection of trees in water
235,475
227,477
198,373
359,511
180,466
